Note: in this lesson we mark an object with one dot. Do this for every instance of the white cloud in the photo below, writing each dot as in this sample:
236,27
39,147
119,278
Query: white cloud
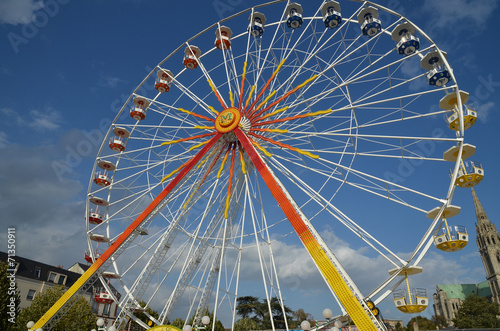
483,110
18,11
11,113
45,121
3,139
459,14
106,80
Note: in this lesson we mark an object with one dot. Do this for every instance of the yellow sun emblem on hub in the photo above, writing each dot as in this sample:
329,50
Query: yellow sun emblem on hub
227,120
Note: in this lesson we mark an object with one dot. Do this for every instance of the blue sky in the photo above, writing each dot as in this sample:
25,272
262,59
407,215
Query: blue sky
66,67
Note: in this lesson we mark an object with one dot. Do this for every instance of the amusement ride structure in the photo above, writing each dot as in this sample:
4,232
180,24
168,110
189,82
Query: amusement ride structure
267,129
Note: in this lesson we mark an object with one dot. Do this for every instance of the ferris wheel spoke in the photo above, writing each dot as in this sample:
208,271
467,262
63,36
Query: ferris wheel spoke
337,214
370,182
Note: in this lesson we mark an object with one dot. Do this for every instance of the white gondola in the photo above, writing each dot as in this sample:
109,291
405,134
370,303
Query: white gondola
191,57
106,165
101,296
111,275
330,11
368,19
99,201
95,217
102,179
139,109
99,238
294,19
433,63
163,80
118,143
257,23
89,257
223,38
404,36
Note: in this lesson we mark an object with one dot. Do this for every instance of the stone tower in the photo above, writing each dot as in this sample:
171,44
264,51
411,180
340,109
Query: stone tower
488,243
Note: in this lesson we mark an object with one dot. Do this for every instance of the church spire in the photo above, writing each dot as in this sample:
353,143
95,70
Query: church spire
480,213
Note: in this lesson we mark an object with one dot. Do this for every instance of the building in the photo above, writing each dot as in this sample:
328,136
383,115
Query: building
33,277
488,243
448,298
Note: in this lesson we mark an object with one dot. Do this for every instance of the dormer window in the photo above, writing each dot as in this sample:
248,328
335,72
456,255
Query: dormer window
57,278
61,280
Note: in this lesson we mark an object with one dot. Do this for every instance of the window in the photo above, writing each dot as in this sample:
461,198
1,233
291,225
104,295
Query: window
57,278
52,277
105,311
95,307
61,280
38,272
31,294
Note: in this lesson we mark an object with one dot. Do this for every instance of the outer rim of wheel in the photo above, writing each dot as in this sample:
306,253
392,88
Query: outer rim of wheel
451,187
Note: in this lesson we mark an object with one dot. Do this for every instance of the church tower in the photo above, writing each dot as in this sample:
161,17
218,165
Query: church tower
488,242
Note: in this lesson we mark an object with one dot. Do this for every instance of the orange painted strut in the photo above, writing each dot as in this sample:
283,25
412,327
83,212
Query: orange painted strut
196,115
269,130
224,159
279,120
187,139
213,164
320,257
205,176
243,76
122,238
298,87
222,103
274,142
247,111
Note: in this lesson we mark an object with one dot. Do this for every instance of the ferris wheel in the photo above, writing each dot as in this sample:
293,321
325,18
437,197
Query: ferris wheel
266,132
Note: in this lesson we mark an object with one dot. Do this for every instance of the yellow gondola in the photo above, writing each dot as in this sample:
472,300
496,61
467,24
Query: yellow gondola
469,174
408,301
451,239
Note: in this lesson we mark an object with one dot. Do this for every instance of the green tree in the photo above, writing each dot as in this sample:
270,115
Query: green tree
206,312
178,322
423,323
399,327
246,324
79,316
477,312
259,310
300,315
9,299
279,313
439,321
247,306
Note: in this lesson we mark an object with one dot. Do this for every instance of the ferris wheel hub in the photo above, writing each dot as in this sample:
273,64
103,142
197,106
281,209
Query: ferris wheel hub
227,120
